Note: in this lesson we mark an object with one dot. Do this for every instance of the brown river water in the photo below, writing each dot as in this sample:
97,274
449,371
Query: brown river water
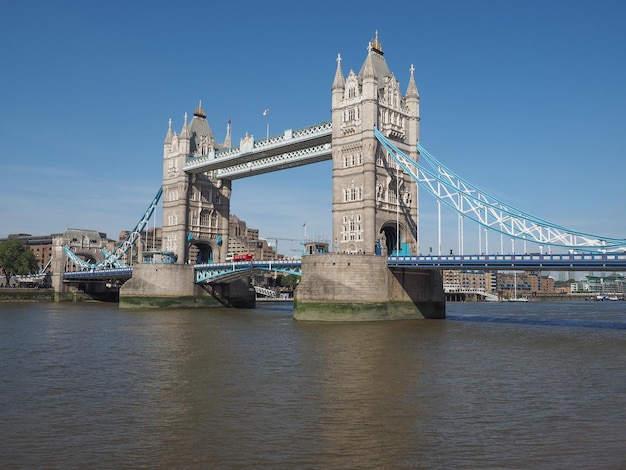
495,385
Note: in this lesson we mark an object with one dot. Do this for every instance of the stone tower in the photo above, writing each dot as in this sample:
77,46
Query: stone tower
374,202
195,207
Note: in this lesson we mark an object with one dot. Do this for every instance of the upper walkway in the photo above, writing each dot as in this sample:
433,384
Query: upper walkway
291,149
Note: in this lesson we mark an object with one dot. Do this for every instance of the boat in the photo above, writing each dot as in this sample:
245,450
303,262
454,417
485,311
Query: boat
604,298
515,298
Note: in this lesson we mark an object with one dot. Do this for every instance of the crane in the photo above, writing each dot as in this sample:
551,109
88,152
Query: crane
275,239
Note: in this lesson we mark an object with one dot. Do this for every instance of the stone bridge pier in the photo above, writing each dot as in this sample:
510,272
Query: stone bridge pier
362,288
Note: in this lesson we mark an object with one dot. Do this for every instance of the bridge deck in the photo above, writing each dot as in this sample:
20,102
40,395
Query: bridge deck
547,262
226,272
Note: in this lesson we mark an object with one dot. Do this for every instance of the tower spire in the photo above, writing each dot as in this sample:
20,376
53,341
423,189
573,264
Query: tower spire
411,90
227,140
338,82
168,136
185,132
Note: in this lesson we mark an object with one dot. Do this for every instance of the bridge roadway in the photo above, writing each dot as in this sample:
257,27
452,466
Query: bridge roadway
548,262
291,149
226,272
98,274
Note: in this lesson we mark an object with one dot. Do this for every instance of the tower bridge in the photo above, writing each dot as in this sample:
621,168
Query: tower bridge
378,164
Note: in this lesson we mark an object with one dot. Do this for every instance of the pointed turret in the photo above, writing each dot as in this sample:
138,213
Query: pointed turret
339,85
167,144
227,140
185,138
413,104
185,132
168,136
411,89
339,82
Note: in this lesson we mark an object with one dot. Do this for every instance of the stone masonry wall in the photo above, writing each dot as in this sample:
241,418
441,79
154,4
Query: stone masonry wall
160,280
172,286
362,288
343,278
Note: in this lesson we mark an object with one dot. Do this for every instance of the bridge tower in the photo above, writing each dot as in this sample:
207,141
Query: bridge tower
195,206
374,207
374,203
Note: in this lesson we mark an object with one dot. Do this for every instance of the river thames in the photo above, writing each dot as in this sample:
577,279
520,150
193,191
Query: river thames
494,386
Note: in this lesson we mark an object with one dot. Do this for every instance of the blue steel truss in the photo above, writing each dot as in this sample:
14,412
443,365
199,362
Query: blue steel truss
226,272
34,277
489,211
114,259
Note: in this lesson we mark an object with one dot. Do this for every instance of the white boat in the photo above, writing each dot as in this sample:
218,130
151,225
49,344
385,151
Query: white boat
515,298
604,298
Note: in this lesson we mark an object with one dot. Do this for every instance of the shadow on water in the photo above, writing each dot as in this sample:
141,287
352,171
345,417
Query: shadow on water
539,321
573,314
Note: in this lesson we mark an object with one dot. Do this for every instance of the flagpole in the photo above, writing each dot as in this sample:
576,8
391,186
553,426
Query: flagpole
267,114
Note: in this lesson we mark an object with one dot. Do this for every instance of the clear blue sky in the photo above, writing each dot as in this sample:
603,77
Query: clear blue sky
525,99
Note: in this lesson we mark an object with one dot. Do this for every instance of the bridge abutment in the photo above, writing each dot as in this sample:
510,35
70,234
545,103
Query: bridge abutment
340,287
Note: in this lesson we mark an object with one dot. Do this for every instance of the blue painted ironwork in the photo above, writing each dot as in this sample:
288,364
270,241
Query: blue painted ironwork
39,276
548,262
113,259
99,274
490,212
77,260
226,272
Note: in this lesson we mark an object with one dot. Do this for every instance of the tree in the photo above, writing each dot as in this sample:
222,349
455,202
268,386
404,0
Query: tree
15,258
290,280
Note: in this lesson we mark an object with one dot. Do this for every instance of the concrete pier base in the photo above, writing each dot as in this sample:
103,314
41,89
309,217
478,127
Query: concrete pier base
362,288
172,286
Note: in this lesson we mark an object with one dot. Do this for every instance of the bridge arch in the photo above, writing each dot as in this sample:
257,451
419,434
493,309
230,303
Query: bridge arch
89,255
201,251
391,240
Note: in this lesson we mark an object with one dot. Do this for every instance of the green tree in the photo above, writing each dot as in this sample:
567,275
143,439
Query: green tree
15,258
290,280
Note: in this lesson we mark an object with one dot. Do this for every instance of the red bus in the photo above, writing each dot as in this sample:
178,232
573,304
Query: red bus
243,257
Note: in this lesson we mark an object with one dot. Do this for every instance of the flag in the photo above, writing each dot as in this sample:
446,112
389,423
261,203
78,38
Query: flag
266,112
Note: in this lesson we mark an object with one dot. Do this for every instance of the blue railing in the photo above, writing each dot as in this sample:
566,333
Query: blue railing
99,274
547,262
209,272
